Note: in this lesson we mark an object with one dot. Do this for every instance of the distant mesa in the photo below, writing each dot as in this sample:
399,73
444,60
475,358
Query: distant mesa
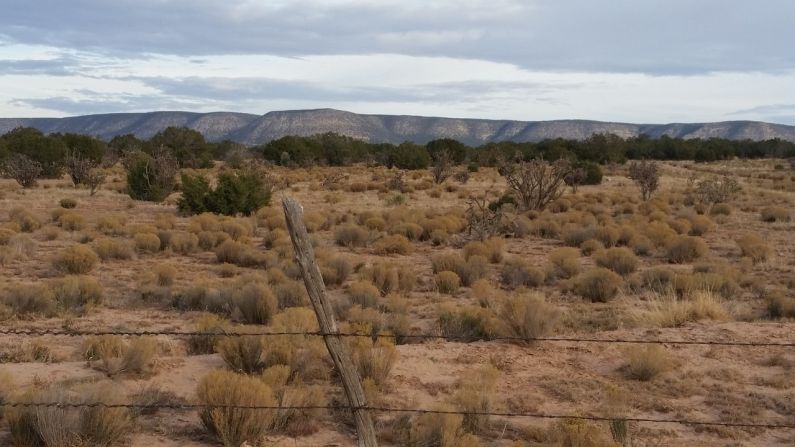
255,129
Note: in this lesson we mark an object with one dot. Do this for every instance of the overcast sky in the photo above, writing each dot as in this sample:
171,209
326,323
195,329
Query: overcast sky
615,60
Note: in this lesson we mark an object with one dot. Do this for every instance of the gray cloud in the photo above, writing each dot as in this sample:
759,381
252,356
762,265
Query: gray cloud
60,66
235,90
99,103
652,36
234,93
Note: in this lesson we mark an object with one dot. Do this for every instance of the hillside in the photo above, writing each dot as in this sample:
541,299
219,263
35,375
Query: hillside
253,129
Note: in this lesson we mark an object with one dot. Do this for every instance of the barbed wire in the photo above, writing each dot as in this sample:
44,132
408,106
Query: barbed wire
380,409
83,333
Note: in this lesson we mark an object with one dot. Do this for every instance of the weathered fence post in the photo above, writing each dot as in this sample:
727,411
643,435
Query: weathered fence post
305,256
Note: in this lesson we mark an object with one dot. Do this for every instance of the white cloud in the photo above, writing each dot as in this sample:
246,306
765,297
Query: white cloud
383,83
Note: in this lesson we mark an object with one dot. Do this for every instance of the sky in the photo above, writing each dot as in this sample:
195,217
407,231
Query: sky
641,61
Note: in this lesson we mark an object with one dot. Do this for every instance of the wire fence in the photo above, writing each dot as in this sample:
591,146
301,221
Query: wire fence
34,332
179,406
664,341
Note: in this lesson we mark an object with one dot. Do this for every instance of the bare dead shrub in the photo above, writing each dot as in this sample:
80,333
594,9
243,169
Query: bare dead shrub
645,174
483,222
22,169
442,167
536,183
711,191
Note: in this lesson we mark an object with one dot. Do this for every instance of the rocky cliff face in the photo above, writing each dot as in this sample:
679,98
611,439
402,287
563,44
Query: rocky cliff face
253,129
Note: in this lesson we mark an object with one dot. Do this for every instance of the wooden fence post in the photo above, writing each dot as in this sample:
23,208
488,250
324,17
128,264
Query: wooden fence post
313,280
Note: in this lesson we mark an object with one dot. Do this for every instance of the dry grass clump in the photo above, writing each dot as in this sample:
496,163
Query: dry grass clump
335,269
659,233
598,284
243,354
18,246
364,293
5,235
775,214
447,282
115,357
390,277
683,249
469,271
618,259
76,260
468,323
68,203
234,426
721,209
442,430
202,297
474,396
351,235
564,262
211,325
33,298
491,249
108,248
700,225
68,425
291,294
71,221
527,316
409,230
25,221
579,433
77,293
164,274
517,272
670,311
644,363
238,253
658,279
780,305
754,247
251,302
393,244
720,282
111,225
182,242
208,240
373,359
591,246
147,242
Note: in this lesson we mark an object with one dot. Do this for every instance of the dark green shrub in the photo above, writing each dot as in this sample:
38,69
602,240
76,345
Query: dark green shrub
238,192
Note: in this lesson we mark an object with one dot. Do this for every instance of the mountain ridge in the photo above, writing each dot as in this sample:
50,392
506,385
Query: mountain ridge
254,129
